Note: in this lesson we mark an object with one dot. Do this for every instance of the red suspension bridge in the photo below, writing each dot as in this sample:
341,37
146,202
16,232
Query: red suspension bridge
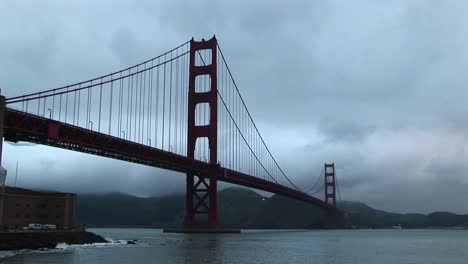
180,111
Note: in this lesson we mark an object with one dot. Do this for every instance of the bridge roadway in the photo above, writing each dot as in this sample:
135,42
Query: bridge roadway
21,126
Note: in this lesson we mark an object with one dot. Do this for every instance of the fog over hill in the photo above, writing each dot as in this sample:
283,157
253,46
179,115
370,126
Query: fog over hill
244,208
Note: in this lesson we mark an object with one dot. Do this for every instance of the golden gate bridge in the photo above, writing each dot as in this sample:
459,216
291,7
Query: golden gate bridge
180,111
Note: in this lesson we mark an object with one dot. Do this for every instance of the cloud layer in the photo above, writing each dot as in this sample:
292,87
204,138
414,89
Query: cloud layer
378,87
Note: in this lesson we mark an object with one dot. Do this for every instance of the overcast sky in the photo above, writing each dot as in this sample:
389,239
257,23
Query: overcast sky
378,87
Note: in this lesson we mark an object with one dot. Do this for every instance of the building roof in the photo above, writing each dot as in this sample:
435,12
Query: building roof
21,191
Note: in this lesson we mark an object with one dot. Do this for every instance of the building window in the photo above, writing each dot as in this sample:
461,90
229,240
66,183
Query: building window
27,205
18,205
27,216
17,215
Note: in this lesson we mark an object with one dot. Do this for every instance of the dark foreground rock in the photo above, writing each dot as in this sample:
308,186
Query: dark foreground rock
45,239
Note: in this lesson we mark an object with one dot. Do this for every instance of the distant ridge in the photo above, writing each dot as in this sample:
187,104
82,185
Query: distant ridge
243,208
360,215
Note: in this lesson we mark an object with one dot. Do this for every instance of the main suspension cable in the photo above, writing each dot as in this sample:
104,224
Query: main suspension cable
251,119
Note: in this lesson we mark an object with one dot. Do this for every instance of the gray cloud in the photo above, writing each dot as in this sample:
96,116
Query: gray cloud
376,86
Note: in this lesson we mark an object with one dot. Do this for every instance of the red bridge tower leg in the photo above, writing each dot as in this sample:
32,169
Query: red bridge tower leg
200,209
330,194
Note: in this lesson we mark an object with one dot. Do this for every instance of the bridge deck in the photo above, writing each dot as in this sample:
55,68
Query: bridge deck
21,126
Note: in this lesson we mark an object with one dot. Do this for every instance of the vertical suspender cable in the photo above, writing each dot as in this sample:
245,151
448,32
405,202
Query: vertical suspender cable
100,106
170,103
110,105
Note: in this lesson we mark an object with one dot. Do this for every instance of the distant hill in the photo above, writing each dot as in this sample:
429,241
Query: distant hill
280,212
244,208
116,209
237,208
360,215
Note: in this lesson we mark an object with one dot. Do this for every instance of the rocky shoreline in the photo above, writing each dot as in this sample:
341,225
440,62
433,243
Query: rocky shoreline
46,239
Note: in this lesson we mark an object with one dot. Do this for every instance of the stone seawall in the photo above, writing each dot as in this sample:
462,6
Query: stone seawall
45,239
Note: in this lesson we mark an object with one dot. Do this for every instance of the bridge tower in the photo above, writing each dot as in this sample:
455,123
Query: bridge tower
200,208
2,123
330,187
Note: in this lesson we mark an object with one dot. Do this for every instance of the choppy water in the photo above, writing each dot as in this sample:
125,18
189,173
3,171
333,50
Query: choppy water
331,247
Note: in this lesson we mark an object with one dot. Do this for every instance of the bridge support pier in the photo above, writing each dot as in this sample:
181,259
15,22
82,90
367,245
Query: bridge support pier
2,124
200,211
2,171
330,195
201,206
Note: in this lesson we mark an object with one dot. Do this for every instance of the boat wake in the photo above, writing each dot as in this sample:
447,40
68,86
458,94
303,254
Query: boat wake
65,248
110,243
6,254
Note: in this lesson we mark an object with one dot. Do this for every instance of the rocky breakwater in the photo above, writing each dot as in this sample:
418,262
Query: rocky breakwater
45,239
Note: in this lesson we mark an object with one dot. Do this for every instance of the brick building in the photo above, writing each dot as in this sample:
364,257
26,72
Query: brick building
21,207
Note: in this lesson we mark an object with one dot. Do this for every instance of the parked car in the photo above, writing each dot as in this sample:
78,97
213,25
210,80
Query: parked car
34,227
49,227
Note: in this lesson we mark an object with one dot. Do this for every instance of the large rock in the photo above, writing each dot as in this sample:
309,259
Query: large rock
38,239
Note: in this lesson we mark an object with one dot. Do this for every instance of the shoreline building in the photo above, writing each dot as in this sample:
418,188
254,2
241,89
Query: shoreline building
21,207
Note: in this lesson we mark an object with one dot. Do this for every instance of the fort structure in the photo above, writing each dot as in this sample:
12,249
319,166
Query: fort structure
21,207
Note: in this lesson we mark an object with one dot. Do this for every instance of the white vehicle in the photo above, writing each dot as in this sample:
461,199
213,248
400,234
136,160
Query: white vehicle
34,227
49,227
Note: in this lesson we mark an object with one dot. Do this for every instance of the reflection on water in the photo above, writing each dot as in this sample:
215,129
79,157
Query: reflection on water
193,246
332,247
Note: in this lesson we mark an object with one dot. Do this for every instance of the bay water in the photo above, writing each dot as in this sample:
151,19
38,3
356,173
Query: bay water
261,246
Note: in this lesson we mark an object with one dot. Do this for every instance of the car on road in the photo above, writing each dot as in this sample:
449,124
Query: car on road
33,227
49,227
